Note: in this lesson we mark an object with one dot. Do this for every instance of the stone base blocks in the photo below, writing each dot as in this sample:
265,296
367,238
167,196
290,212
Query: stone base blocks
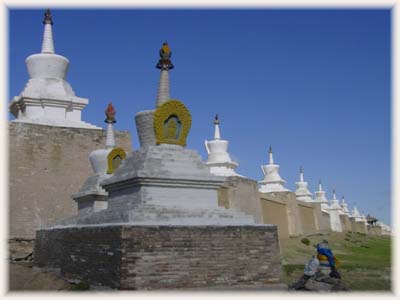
130,257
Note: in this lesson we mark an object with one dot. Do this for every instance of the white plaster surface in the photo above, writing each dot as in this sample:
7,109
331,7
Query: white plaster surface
163,184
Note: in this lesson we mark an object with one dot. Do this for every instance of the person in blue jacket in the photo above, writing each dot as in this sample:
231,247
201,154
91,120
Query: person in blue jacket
325,253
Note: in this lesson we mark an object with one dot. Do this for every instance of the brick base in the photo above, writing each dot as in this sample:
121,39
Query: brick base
163,257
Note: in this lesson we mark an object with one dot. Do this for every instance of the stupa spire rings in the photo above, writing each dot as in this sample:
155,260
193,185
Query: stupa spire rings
270,156
164,62
47,17
217,133
301,174
48,43
110,120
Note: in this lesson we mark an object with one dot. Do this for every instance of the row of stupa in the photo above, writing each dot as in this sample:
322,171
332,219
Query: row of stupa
221,164
48,99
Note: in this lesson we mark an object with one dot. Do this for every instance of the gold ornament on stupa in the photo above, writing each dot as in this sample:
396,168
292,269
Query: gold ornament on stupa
172,122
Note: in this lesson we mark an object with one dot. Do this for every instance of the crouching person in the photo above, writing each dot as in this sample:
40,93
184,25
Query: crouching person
328,262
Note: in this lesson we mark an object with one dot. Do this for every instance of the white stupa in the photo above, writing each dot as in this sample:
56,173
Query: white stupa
219,160
302,192
48,99
345,210
364,218
356,215
334,211
320,196
92,197
272,181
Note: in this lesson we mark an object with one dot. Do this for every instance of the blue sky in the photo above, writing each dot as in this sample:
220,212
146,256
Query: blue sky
314,84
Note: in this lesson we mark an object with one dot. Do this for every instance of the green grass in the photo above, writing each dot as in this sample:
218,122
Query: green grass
365,260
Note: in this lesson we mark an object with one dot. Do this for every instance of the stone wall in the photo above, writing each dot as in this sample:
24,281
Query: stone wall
326,221
274,212
164,257
241,194
47,165
320,224
375,229
293,217
345,222
306,211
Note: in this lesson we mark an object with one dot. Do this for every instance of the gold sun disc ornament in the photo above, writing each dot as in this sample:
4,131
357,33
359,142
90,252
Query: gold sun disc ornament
172,121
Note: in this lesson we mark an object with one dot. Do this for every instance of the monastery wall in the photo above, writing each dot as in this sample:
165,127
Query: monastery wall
274,212
358,226
345,222
241,194
293,216
306,211
326,221
47,165
375,230
319,221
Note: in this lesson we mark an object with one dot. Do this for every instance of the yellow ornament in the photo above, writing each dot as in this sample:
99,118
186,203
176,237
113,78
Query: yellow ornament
114,159
172,121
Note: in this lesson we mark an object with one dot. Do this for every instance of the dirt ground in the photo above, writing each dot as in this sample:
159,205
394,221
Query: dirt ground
23,277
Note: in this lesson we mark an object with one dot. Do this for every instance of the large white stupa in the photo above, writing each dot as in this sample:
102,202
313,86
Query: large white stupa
219,160
272,181
48,99
302,192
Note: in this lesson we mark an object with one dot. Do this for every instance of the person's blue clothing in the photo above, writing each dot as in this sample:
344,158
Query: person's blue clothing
328,253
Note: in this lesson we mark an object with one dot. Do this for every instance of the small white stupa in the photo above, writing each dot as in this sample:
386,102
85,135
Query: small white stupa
48,99
334,211
364,218
320,196
345,210
302,192
219,160
356,215
92,197
272,181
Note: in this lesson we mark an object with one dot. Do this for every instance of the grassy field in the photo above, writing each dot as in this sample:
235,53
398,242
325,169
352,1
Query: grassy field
365,260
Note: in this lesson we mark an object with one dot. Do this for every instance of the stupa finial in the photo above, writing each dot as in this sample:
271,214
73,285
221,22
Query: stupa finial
334,194
110,114
216,120
320,185
165,58
164,64
47,17
48,44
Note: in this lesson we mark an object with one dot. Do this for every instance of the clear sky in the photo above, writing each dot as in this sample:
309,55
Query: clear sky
314,84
